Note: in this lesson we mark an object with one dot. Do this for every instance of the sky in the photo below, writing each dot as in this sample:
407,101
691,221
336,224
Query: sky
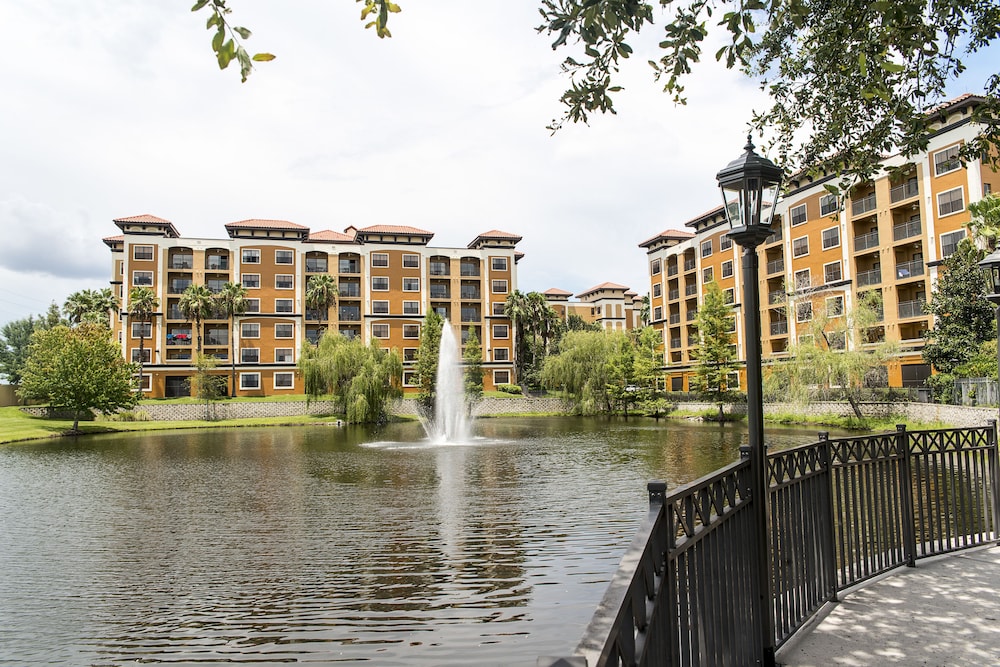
117,108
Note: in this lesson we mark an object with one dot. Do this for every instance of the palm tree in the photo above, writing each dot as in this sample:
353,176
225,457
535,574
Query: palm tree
232,300
90,306
321,293
516,308
644,310
142,304
196,303
78,304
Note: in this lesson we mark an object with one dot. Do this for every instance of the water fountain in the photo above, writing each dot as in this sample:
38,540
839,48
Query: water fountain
450,423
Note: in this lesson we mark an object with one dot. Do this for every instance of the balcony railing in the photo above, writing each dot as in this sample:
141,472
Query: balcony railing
690,289
349,266
440,292
469,293
692,315
779,328
471,317
181,262
178,286
909,269
672,270
216,339
217,264
866,241
863,205
776,266
469,270
906,230
904,191
316,265
673,294
349,314
873,277
439,269
777,296
675,318
689,264
775,237
675,343
349,290
914,308
174,313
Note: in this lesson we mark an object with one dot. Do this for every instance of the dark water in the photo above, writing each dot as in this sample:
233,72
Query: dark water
307,545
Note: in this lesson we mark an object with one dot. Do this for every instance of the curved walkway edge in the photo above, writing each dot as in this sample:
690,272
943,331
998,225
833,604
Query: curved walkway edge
944,611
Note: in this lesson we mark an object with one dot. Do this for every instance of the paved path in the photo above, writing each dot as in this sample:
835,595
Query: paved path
945,611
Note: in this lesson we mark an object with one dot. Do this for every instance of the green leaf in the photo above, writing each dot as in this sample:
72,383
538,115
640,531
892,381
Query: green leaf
242,32
225,54
263,57
198,5
863,64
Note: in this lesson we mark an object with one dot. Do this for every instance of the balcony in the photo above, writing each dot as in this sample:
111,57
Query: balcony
181,262
777,296
440,292
866,241
690,289
675,318
470,316
913,308
215,285
174,313
216,263
179,338
470,293
690,264
904,191
692,315
673,295
217,339
775,237
349,266
440,269
863,205
873,277
349,313
776,266
675,343
349,290
672,270
779,328
906,230
177,286
906,270
316,265
469,270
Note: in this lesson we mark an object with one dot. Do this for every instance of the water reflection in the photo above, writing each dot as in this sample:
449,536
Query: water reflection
257,545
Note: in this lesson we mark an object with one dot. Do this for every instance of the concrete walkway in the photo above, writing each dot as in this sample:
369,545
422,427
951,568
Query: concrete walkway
945,611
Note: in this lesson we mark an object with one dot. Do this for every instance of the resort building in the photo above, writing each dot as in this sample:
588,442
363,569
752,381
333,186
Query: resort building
388,278
888,235
612,306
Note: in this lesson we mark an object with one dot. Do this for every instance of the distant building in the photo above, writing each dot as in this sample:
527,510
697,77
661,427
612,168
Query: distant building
889,235
612,306
388,279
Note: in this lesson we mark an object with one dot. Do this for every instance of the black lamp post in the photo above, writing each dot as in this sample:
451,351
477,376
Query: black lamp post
749,187
991,267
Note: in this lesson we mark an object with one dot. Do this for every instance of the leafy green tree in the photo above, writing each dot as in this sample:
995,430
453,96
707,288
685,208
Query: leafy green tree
321,294
232,301
645,310
196,304
517,308
78,370
716,356
208,385
89,305
142,305
583,370
472,359
576,323
963,317
427,358
365,379
15,337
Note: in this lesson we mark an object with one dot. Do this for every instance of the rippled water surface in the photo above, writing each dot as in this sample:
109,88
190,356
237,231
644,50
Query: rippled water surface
322,544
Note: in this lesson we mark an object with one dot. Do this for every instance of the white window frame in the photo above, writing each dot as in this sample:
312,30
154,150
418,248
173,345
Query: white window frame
706,248
290,303
950,160
411,284
655,267
657,313
135,253
836,241
725,243
380,260
831,312
246,376
255,355
252,277
796,279
250,256
840,270
498,287
377,280
498,263
498,307
291,257
795,250
657,289
828,204
799,213
497,374
280,277
411,261
961,192
380,331
136,282
280,326
707,274
380,307
727,269
253,305
958,235
411,307
804,311
500,328
252,327
147,327
146,382
146,352
410,353
284,355
410,379
730,297
501,354
290,375
411,331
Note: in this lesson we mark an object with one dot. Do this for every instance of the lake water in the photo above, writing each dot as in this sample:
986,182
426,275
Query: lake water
329,545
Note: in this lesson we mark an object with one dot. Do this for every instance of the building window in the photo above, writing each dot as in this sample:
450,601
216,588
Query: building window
410,353
410,379
284,330
283,305
411,284
657,289
802,279
146,382
142,252
835,306
949,242
657,313
249,380
706,248
253,305
725,243
951,201
498,263
411,261
730,296
250,256
500,331
800,246
501,354
707,274
831,238
947,160
142,278
411,331
655,267
380,330
146,355
727,268
250,280
498,308
797,214
380,259
501,377
249,330
837,340
380,307
284,380
498,286
803,311
380,284
142,329
284,257
249,355
284,281
832,272
828,205
411,307
283,355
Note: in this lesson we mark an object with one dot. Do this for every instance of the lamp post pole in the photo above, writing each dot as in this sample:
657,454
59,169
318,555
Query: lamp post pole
743,183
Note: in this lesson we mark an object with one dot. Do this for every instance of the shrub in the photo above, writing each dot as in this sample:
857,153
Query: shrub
509,388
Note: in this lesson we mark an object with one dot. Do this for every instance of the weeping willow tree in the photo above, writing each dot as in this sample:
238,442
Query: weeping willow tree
363,378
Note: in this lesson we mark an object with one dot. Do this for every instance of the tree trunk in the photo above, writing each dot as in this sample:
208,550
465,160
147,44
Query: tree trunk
232,355
142,345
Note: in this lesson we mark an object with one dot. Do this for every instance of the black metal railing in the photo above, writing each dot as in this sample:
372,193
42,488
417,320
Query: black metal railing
841,511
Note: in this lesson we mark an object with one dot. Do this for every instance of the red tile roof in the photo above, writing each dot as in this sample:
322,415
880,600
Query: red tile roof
603,286
670,234
495,235
555,291
394,229
254,223
146,217
329,236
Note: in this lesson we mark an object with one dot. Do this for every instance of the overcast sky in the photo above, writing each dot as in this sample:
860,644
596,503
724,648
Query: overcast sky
117,108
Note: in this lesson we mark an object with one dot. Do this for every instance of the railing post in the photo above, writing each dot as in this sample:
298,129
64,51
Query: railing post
994,479
906,494
830,532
